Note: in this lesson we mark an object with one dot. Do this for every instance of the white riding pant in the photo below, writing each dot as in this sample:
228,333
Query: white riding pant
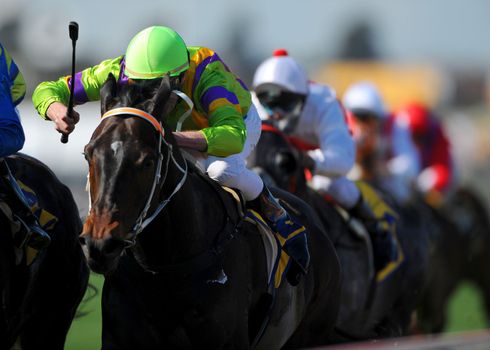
232,171
343,190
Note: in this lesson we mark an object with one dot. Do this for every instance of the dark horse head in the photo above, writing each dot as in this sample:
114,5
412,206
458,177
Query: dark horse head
277,161
126,157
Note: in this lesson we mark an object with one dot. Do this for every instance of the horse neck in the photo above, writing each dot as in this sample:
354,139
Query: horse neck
300,183
189,223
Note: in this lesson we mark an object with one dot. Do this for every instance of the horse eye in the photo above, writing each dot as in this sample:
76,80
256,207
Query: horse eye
148,163
286,162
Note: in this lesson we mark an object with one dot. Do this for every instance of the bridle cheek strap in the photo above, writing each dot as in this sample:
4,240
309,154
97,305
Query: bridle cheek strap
143,219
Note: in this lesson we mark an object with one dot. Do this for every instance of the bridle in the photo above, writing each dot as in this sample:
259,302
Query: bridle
144,219
233,222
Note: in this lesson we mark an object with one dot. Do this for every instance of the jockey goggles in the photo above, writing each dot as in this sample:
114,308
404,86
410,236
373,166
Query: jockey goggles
283,102
364,115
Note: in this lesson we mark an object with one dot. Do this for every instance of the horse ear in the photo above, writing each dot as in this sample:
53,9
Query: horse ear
108,92
160,100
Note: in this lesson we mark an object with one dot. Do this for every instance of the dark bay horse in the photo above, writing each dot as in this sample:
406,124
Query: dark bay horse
183,270
461,254
39,300
367,310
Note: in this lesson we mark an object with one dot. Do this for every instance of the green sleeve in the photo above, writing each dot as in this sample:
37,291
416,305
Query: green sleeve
91,79
227,132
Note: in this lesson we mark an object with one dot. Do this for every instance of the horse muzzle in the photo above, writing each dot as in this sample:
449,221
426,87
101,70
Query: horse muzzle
102,254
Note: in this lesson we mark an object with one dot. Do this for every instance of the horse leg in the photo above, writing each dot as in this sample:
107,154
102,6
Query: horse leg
56,295
322,283
322,311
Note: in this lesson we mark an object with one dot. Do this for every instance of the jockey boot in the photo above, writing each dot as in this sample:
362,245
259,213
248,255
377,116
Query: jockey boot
385,248
30,230
292,234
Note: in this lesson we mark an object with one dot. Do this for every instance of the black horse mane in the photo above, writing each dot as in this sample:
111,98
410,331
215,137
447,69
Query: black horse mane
149,95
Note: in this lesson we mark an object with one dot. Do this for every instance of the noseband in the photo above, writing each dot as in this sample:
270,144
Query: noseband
144,219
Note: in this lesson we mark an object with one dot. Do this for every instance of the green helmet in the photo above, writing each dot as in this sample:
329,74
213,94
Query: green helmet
154,52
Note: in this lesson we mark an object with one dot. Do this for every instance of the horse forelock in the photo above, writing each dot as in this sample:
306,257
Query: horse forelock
278,160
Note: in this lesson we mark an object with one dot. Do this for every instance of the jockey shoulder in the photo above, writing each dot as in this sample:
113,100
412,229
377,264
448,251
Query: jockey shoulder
12,91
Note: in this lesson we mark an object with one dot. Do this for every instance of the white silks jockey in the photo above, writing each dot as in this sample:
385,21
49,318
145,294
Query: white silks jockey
383,141
311,112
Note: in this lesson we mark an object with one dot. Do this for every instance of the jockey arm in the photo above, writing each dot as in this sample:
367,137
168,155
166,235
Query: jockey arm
438,172
50,98
224,102
336,154
404,161
12,91
222,133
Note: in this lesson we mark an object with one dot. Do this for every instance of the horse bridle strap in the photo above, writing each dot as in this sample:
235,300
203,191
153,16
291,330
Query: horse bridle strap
209,257
143,220
137,113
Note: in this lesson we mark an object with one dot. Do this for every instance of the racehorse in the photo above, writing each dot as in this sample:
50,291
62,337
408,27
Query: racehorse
368,309
182,268
460,255
39,298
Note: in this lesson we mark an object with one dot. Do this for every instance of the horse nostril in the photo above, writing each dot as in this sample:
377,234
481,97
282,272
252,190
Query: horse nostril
82,240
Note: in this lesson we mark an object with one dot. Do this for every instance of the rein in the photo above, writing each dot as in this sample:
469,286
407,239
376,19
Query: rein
143,219
296,142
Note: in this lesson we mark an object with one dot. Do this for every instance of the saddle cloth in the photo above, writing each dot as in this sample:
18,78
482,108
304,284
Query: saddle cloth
388,219
45,218
384,213
277,259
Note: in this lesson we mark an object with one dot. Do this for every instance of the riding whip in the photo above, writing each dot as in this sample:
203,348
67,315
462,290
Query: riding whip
73,30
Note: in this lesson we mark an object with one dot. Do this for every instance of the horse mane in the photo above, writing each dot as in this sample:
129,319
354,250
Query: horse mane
150,95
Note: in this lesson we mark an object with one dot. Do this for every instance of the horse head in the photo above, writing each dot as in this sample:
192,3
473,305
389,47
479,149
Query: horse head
277,161
125,156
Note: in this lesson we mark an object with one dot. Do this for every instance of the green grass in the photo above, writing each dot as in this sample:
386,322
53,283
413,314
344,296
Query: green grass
465,309
85,331
464,314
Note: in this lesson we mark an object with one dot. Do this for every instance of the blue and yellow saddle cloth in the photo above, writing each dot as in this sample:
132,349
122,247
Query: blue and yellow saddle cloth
277,259
388,219
44,217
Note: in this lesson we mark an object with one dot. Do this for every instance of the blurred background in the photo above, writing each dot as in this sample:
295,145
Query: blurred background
435,51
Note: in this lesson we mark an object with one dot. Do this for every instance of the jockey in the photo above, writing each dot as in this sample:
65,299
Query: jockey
436,175
12,91
224,123
386,153
311,112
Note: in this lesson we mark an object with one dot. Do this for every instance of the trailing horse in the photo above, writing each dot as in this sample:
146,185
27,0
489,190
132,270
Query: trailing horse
40,296
369,308
182,267
460,254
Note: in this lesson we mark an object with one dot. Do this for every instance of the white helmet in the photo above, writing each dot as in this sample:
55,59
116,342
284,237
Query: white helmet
283,71
364,97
